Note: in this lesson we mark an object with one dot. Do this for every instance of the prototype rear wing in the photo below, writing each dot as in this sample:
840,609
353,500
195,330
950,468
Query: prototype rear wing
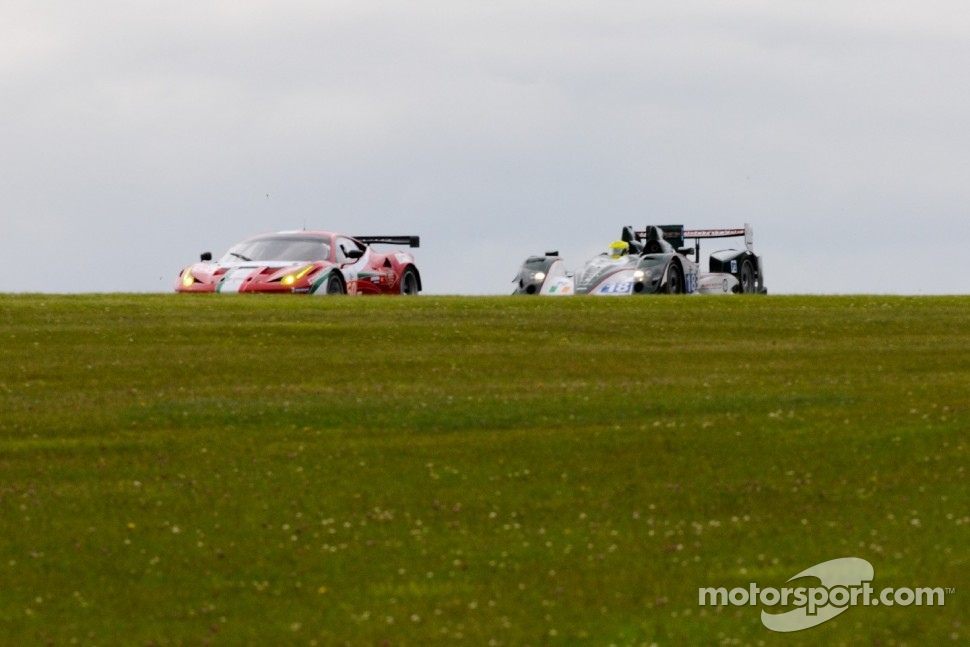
676,235
410,241
747,231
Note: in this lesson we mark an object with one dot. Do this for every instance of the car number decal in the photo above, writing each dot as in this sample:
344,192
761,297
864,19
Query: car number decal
621,287
690,283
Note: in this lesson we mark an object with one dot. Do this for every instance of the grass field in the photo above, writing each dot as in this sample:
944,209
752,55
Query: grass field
180,470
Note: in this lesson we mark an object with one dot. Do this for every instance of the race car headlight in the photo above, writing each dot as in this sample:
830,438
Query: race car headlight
640,275
187,279
538,276
290,279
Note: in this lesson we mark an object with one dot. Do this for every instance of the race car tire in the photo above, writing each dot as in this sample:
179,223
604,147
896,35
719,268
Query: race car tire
746,278
675,279
409,282
335,284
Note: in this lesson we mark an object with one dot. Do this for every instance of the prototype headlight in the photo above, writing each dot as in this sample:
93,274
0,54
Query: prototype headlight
538,276
187,279
641,275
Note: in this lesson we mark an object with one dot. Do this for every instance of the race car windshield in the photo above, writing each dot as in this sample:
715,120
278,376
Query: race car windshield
279,249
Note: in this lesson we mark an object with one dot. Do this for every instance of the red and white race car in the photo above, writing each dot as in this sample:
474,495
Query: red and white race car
307,262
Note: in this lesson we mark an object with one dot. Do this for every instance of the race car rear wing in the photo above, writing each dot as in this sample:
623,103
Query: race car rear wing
410,241
676,234
747,231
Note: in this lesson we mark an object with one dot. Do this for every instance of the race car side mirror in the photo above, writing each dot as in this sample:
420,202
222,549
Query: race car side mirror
206,256
354,254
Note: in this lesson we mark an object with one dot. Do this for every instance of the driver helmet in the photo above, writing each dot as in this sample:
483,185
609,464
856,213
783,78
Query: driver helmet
619,249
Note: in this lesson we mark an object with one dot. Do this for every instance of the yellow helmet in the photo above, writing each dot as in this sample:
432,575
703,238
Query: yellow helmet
619,248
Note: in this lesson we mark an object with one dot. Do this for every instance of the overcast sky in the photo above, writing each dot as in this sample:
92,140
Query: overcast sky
137,134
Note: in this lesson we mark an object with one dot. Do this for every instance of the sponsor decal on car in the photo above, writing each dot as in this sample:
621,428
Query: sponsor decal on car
713,233
233,280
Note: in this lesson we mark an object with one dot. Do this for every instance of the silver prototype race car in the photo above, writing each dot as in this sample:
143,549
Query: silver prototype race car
652,261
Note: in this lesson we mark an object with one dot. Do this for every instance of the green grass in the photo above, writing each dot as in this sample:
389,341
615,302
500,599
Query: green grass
181,470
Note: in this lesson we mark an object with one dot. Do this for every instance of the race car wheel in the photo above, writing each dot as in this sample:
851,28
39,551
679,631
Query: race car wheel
335,285
747,278
409,281
675,279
